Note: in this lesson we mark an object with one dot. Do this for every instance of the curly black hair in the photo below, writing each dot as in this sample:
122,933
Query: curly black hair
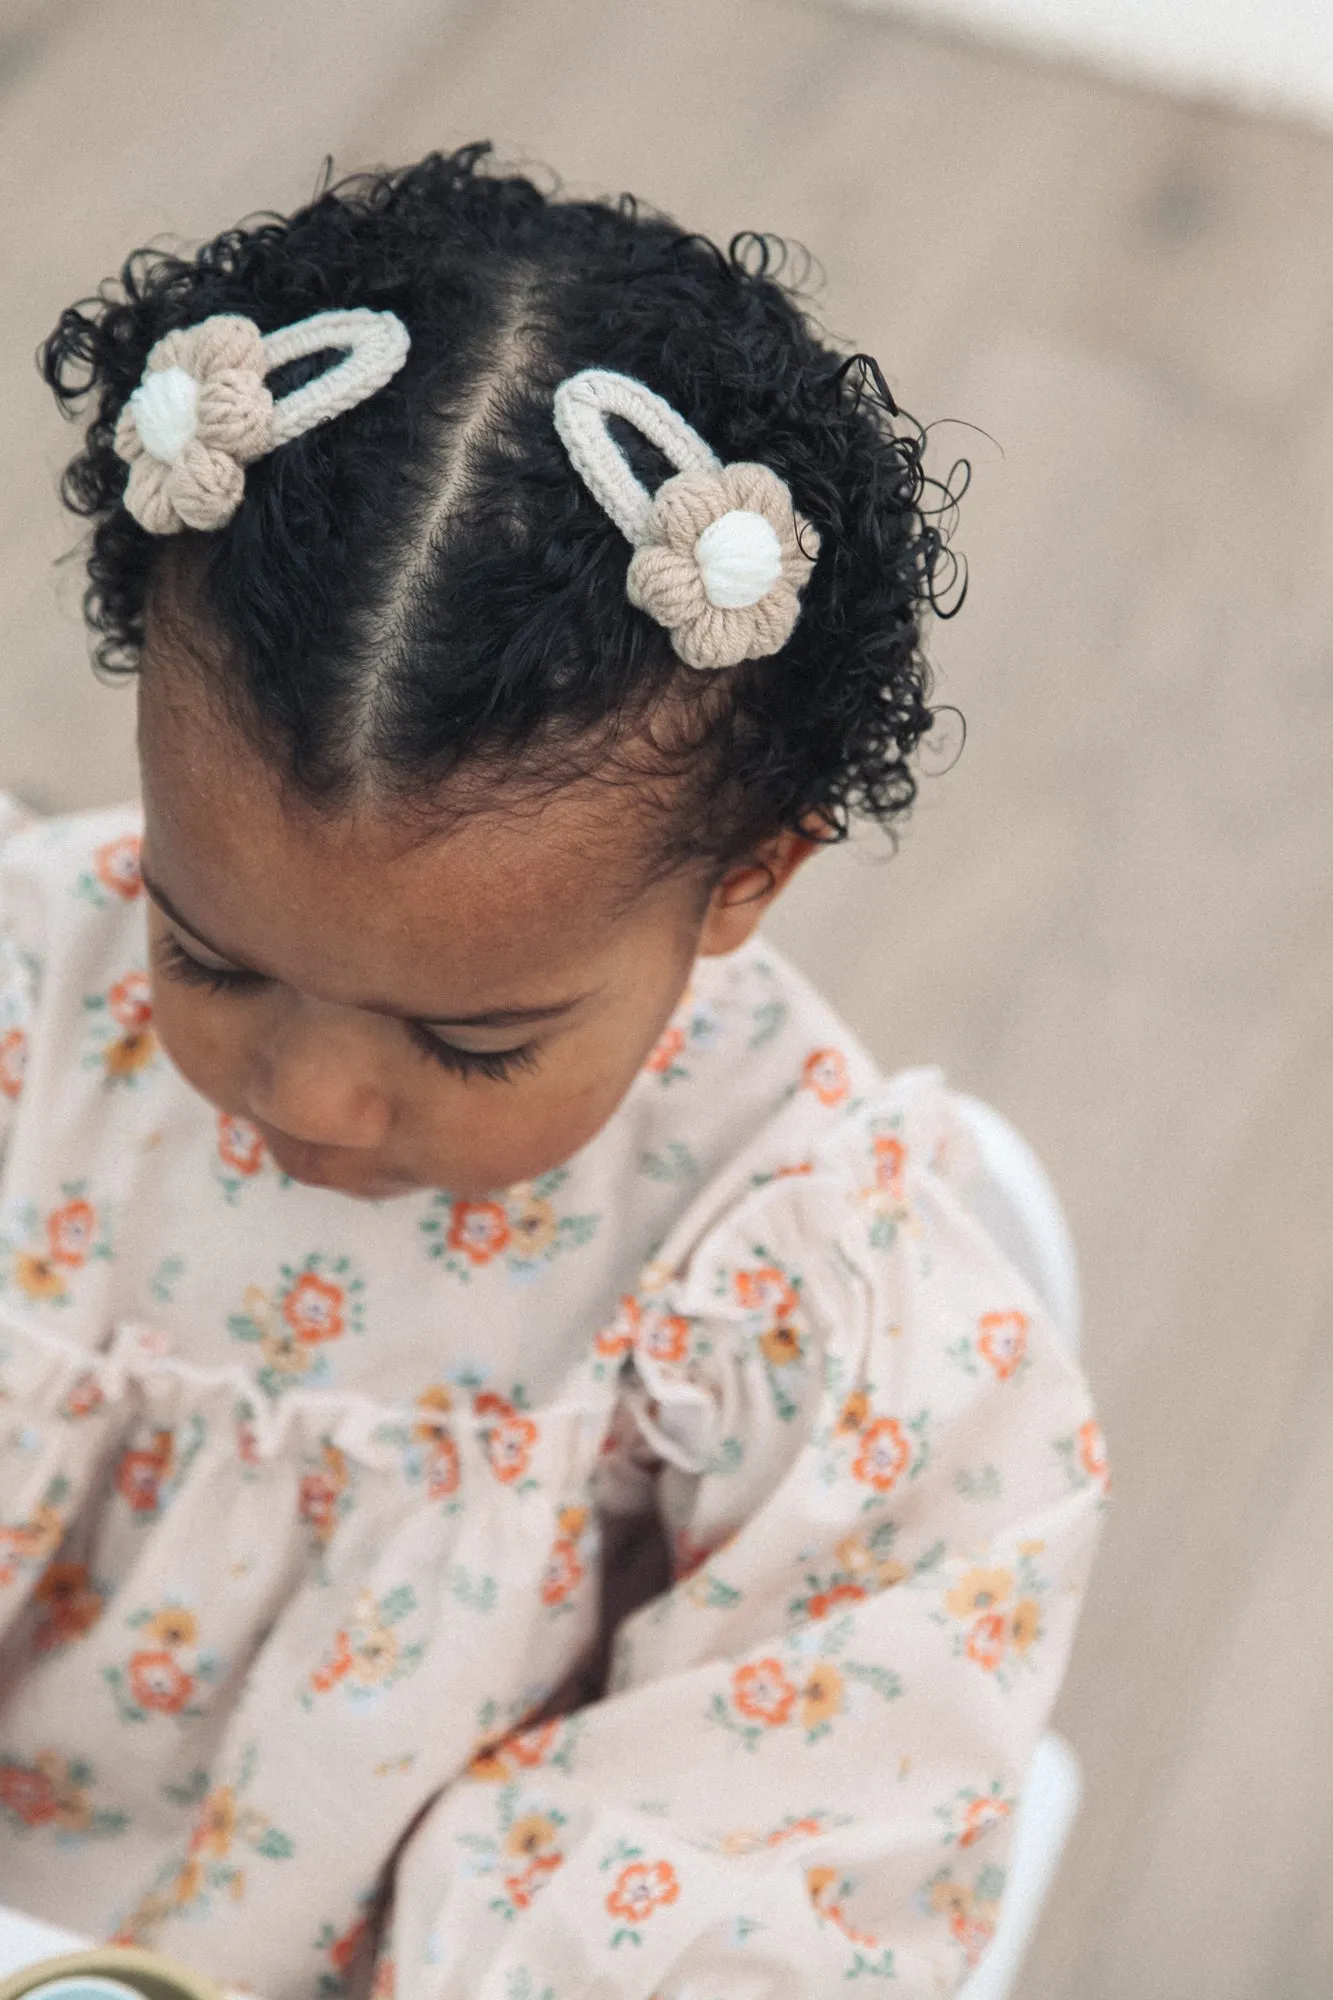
424,585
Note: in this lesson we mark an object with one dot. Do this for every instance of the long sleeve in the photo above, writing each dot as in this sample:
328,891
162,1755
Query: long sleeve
881,1480
16,984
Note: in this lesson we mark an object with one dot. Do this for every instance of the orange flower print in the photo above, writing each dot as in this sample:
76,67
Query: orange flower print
666,1337
987,1640
1002,1340
441,1468
321,1491
564,1573
116,866
766,1289
313,1309
890,1159
522,1887
85,1396
13,1061
1092,1454
130,1002
240,1146
27,1793
763,1693
618,1338
51,1791
509,1447
70,1232
336,1668
825,1601
215,1828
479,1230
140,1474
664,1056
531,1747
825,1072
642,1887
979,1816
158,1683
345,1947
72,1605
884,1455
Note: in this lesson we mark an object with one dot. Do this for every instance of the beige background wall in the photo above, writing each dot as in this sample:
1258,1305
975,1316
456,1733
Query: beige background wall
1112,917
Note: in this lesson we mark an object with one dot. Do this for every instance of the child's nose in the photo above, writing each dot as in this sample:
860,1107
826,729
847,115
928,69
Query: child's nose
315,1077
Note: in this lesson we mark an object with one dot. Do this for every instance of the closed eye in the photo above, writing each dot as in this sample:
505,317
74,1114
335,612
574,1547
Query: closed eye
176,963
497,1065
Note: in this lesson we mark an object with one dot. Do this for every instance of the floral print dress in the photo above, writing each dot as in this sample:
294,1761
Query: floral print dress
306,1510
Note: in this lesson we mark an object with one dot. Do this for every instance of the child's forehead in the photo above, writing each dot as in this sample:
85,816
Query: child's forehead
513,887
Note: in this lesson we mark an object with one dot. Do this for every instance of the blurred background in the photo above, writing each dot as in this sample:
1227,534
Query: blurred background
1104,237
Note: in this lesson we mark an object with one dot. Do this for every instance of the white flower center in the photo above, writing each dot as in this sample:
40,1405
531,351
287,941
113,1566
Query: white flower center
166,409
740,559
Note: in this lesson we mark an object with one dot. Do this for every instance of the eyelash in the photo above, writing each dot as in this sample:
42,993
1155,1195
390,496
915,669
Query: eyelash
497,1065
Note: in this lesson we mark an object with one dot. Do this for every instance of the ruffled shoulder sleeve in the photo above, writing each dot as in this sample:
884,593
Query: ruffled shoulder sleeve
19,970
882,1482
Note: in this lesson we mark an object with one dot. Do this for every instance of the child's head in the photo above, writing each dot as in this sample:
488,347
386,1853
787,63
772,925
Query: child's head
410,754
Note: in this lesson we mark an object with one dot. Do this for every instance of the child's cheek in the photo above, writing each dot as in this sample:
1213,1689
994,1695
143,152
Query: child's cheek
193,1029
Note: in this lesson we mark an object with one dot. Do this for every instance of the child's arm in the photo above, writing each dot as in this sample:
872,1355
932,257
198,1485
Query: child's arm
810,1766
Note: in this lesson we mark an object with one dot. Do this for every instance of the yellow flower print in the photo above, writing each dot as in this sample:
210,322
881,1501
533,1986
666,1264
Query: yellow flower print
821,1696
435,1400
373,1645
284,1353
215,1828
854,1413
130,1053
951,1899
1024,1624
39,1277
173,1627
188,1885
781,1345
532,1223
979,1590
490,1765
533,1834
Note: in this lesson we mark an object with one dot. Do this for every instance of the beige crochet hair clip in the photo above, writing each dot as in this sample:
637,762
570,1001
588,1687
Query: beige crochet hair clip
203,412
720,553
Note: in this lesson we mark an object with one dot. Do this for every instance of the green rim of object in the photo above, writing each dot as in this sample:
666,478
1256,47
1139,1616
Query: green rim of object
155,1978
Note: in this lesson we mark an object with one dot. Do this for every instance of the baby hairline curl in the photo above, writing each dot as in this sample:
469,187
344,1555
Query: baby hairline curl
431,563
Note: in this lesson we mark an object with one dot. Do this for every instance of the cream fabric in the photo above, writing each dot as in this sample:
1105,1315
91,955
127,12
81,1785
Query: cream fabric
303,1507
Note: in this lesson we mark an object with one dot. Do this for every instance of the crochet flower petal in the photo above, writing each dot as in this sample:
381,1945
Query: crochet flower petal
148,495
225,341
684,506
205,487
235,413
665,582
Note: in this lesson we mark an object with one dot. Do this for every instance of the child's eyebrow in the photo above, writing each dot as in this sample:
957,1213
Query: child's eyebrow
493,1017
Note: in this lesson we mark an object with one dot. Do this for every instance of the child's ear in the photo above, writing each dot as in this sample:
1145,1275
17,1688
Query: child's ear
749,888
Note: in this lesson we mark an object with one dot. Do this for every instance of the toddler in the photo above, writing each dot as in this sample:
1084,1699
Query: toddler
521,1474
